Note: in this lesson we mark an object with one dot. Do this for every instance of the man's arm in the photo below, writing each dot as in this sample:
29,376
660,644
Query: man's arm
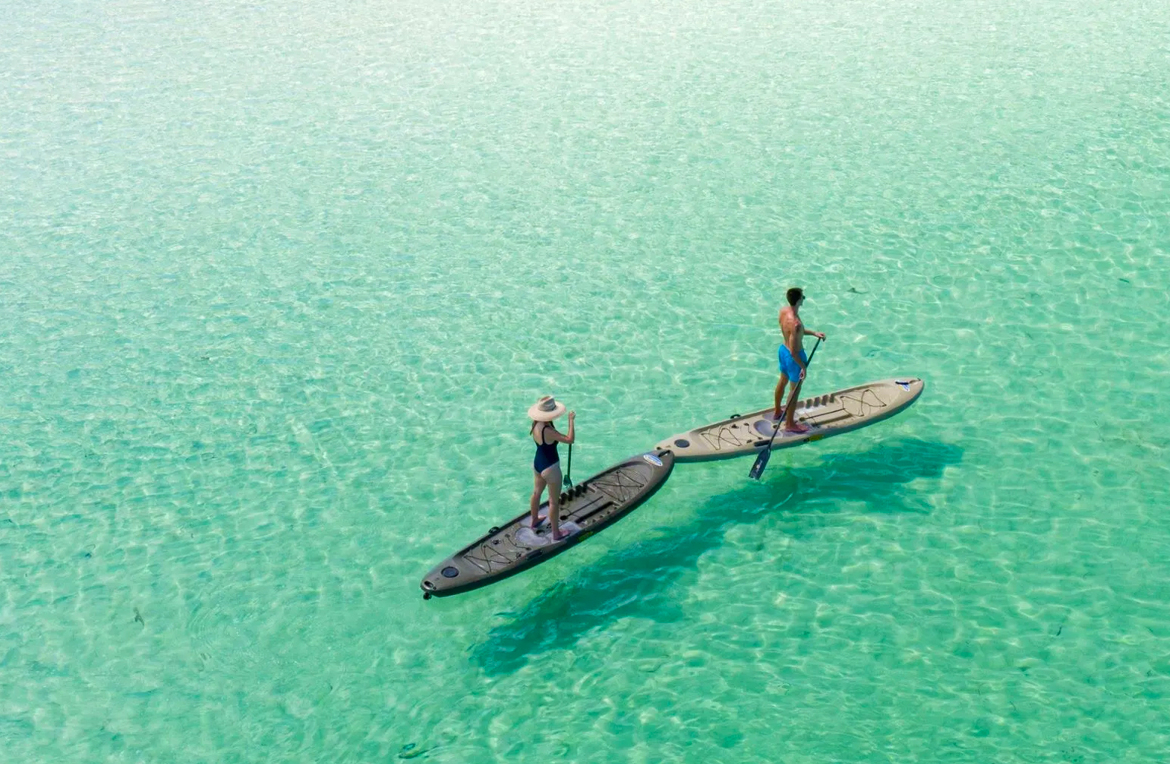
811,333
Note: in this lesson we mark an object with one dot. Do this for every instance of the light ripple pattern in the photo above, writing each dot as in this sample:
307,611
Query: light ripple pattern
278,282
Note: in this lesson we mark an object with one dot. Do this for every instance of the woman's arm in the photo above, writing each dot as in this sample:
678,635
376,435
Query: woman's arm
571,436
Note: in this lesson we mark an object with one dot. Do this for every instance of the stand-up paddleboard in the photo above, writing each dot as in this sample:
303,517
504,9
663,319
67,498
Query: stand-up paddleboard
588,507
826,415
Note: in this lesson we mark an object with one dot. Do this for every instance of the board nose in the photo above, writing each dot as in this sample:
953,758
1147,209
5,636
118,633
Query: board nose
441,579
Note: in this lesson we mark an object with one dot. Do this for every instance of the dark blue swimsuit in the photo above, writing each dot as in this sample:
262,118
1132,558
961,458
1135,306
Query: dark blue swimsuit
546,453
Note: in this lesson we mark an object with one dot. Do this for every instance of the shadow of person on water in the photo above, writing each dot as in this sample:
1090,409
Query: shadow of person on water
635,581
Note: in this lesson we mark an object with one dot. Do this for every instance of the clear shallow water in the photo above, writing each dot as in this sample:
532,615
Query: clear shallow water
278,283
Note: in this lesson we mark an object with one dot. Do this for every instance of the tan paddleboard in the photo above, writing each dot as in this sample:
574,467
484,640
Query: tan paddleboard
827,415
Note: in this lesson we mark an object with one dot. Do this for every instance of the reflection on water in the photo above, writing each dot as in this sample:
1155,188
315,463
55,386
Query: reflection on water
636,581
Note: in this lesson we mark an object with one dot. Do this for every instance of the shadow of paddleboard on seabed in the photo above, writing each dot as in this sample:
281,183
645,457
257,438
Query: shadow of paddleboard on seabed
635,581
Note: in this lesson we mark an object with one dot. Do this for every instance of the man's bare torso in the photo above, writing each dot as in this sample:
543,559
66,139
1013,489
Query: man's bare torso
793,329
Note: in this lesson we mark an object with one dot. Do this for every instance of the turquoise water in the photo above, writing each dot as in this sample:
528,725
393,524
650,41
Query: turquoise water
278,282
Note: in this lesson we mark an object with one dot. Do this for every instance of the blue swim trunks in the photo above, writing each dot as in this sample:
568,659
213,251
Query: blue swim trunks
788,365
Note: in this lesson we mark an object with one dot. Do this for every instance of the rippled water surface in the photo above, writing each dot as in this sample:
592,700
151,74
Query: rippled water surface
278,281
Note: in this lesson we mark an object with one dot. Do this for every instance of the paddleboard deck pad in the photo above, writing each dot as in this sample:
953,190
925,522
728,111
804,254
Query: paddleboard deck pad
826,415
590,506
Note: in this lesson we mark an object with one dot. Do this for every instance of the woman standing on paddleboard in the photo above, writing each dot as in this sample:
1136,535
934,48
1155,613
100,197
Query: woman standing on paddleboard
546,466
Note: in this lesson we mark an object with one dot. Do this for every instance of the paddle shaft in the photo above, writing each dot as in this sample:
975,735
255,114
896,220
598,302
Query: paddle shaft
569,476
762,459
795,391
796,387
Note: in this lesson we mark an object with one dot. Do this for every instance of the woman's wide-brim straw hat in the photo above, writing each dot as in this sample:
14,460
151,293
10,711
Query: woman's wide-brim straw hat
546,409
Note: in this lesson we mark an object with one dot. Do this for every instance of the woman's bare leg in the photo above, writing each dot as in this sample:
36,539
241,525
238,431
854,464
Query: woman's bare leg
534,504
552,478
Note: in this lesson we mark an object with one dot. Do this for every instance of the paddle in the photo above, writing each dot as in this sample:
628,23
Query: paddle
569,476
766,454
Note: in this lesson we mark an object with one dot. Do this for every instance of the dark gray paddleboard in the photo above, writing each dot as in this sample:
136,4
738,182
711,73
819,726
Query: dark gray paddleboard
588,507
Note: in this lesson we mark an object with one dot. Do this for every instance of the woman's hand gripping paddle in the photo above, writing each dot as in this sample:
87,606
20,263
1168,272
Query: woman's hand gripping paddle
766,454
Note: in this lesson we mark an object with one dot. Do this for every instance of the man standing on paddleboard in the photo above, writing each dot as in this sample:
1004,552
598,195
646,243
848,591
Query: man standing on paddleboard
793,361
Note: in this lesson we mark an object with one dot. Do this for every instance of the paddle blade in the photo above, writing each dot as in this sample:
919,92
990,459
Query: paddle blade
761,463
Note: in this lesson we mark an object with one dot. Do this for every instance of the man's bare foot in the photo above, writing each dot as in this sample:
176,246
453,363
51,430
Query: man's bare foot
534,524
777,415
797,428
560,535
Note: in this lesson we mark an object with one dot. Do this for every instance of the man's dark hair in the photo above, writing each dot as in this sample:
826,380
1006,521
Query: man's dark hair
794,295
